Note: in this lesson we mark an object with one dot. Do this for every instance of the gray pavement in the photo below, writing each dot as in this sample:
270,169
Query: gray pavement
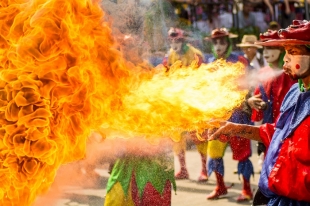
72,189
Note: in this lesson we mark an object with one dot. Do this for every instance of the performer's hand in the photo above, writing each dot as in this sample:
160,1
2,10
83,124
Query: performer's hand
198,138
256,102
222,133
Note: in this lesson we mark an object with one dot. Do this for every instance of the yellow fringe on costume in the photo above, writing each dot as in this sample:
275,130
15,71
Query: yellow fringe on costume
116,197
180,146
216,149
202,148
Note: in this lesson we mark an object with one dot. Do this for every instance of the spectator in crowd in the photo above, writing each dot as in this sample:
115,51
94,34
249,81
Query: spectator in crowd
263,12
262,6
180,50
246,17
251,51
285,176
273,25
241,147
288,12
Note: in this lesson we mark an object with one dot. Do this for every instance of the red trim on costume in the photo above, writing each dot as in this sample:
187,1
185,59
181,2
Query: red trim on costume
150,195
266,132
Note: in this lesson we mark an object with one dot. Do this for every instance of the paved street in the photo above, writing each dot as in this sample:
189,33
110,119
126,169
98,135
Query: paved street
72,189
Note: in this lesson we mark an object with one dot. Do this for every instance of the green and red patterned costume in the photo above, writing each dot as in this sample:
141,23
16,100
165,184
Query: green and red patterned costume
141,180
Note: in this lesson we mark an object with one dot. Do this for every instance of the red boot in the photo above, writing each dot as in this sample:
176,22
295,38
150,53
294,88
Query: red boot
182,174
204,173
246,193
220,189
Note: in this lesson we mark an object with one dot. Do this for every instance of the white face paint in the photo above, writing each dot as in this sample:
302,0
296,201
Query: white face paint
176,45
297,66
271,54
220,46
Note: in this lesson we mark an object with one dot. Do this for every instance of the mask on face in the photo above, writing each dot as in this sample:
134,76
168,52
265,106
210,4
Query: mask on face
220,46
271,54
176,45
296,66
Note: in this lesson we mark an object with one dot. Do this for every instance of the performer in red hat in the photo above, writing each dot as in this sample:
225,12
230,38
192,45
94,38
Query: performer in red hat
285,176
180,50
241,147
272,87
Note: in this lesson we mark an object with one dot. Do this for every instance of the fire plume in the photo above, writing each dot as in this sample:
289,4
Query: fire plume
61,77
185,98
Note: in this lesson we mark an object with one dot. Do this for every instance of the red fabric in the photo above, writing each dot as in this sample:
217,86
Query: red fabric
290,176
134,191
220,182
243,60
200,60
165,61
241,148
266,132
150,195
275,86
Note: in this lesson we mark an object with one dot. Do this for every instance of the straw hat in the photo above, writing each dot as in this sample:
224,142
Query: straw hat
296,34
249,41
220,32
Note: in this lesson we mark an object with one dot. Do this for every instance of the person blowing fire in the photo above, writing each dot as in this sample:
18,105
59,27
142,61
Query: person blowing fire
285,176
181,51
273,84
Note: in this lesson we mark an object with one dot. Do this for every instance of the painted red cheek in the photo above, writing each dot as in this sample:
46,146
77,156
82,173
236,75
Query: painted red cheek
297,66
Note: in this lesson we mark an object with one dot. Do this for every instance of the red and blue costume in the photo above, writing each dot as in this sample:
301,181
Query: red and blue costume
276,87
241,147
285,178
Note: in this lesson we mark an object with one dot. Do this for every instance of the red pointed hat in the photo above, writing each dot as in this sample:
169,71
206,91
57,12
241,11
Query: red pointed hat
296,34
269,35
220,32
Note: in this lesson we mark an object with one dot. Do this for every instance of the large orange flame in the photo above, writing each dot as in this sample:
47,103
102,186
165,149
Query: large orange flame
186,98
61,78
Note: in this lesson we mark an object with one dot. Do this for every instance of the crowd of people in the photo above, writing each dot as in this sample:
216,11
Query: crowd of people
206,15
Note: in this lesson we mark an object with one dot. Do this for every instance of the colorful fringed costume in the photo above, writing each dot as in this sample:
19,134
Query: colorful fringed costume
141,181
241,148
186,55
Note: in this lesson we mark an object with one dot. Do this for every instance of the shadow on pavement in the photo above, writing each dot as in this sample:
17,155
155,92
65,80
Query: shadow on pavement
84,200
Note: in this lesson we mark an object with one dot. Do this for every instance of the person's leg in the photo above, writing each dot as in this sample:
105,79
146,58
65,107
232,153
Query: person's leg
220,189
241,149
183,173
216,151
179,149
246,193
202,149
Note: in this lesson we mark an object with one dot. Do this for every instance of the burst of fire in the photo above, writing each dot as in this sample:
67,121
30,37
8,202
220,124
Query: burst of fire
186,98
61,78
